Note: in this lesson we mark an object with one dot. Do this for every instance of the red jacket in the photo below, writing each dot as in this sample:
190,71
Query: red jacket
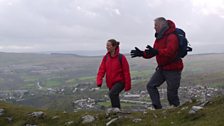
167,47
115,71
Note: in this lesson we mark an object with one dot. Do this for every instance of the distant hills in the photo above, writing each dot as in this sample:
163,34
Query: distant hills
54,72
19,69
197,49
207,50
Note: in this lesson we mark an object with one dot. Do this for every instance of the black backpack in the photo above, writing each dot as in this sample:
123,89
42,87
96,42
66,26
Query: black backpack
183,43
183,46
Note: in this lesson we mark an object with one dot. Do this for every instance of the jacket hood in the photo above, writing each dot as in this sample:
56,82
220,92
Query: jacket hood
166,30
172,27
117,51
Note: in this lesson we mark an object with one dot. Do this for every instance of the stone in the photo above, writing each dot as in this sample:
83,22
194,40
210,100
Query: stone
194,109
9,119
136,120
39,114
87,119
111,121
69,123
55,117
2,111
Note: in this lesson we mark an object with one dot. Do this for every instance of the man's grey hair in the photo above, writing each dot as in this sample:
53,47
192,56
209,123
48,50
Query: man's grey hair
161,20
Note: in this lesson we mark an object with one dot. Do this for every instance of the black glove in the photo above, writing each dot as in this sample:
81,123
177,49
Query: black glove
136,52
151,50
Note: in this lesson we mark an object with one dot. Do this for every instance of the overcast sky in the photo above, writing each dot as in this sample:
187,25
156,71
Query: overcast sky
69,25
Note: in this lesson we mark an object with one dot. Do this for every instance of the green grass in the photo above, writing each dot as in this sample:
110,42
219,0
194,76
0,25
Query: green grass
211,115
29,78
106,104
29,85
217,85
71,81
144,73
21,117
53,83
88,78
1,80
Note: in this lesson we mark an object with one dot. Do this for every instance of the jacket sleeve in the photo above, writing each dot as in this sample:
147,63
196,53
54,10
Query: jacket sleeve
172,47
101,72
126,72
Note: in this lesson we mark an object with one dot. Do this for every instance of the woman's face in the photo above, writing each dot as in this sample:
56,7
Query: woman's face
110,47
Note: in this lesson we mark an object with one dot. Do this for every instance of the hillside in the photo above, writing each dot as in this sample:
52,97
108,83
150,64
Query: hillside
24,70
211,114
57,81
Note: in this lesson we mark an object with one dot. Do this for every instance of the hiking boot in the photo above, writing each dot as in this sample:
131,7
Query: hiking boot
171,107
113,110
151,108
116,110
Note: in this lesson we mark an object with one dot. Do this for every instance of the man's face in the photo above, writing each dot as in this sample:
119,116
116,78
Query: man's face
157,26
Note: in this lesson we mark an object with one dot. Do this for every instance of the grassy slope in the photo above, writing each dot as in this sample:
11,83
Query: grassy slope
211,115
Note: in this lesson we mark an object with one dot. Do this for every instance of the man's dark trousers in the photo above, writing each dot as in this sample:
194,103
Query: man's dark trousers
172,79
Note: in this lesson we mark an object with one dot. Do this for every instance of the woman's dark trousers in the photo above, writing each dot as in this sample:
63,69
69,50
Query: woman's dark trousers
114,95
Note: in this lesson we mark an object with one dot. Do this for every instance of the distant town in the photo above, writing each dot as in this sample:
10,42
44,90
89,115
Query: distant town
138,100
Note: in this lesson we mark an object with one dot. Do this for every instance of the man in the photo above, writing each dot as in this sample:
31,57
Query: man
169,66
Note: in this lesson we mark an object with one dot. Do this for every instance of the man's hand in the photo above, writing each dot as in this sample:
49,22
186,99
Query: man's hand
151,50
136,52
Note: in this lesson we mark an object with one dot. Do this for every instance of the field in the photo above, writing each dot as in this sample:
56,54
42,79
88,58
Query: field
23,71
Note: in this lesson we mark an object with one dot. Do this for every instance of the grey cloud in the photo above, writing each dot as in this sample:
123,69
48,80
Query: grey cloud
81,24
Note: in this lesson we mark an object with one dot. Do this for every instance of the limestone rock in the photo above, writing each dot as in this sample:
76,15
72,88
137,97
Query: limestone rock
39,114
87,119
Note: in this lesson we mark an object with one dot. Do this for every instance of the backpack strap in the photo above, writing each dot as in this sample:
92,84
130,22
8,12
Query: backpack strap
120,58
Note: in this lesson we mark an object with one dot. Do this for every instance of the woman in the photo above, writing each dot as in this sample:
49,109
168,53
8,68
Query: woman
116,68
